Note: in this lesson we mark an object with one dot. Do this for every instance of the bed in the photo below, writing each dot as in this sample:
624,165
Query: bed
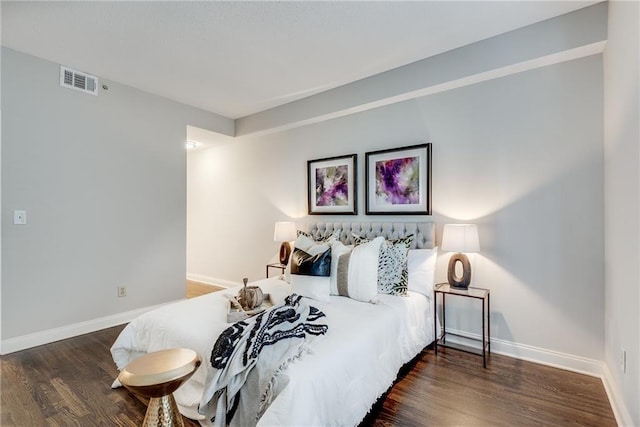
345,371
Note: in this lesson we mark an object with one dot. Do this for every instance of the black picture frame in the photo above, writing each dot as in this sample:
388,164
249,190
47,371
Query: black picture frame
383,169
341,173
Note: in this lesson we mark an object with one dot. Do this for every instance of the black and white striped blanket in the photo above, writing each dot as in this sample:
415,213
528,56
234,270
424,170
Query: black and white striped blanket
249,358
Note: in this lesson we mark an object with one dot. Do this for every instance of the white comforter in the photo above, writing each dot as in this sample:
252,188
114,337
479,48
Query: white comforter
348,370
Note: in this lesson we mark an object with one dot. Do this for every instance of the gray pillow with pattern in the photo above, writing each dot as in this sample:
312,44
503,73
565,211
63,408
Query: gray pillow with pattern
327,238
393,274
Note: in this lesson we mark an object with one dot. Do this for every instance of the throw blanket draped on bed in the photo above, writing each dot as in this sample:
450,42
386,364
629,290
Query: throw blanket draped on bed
249,358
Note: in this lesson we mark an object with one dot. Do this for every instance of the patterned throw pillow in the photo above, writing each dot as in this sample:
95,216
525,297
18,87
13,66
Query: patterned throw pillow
327,238
393,274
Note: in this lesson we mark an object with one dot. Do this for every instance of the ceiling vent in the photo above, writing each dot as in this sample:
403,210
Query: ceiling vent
78,80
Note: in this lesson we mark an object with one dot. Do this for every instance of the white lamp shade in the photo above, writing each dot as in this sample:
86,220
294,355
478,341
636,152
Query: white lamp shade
284,232
460,238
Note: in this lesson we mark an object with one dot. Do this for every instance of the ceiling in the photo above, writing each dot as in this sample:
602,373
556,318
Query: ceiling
239,58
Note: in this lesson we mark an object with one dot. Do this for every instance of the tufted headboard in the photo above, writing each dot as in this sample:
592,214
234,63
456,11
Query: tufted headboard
424,232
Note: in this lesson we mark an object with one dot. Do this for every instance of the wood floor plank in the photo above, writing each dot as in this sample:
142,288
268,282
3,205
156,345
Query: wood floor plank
195,289
17,404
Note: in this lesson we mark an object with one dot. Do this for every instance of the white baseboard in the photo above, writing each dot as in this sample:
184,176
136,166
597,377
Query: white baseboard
543,356
623,417
211,280
568,362
23,342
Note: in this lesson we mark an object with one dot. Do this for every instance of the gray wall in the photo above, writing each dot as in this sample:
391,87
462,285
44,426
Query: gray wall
522,156
103,181
622,197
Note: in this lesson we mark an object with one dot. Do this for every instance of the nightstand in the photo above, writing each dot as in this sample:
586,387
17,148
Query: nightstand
484,296
277,265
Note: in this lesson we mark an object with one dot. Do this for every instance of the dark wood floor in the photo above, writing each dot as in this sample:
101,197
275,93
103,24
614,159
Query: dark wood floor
68,383
454,390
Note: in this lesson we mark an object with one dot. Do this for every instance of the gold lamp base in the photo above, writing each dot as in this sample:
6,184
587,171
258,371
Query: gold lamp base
285,252
459,282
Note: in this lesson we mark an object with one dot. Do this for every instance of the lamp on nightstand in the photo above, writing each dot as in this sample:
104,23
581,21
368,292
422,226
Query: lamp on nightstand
460,238
284,232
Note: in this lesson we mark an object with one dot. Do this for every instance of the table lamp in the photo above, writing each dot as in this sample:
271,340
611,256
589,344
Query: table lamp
284,232
460,238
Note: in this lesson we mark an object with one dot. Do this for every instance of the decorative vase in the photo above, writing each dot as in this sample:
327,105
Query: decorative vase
250,297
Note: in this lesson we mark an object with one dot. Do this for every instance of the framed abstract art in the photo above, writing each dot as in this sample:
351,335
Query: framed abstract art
332,185
398,181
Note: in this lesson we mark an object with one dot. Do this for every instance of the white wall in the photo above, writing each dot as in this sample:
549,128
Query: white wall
622,202
103,181
522,156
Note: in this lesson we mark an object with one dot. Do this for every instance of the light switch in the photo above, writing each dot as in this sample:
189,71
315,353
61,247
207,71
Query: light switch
19,217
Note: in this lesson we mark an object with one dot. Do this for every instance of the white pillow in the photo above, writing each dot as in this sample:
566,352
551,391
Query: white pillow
314,287
363,271
421,264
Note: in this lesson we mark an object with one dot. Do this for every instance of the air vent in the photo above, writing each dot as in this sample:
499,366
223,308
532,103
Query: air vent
78,80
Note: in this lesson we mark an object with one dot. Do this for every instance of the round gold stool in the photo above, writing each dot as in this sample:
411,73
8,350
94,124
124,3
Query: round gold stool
157,375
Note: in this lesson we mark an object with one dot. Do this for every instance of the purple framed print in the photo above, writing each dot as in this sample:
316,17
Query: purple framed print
332,185
398,181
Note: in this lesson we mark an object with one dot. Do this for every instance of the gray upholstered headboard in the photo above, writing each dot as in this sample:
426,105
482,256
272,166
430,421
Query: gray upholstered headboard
424,232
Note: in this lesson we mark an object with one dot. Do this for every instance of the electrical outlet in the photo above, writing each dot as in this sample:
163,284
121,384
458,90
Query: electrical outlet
122,291
623,360
19,217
